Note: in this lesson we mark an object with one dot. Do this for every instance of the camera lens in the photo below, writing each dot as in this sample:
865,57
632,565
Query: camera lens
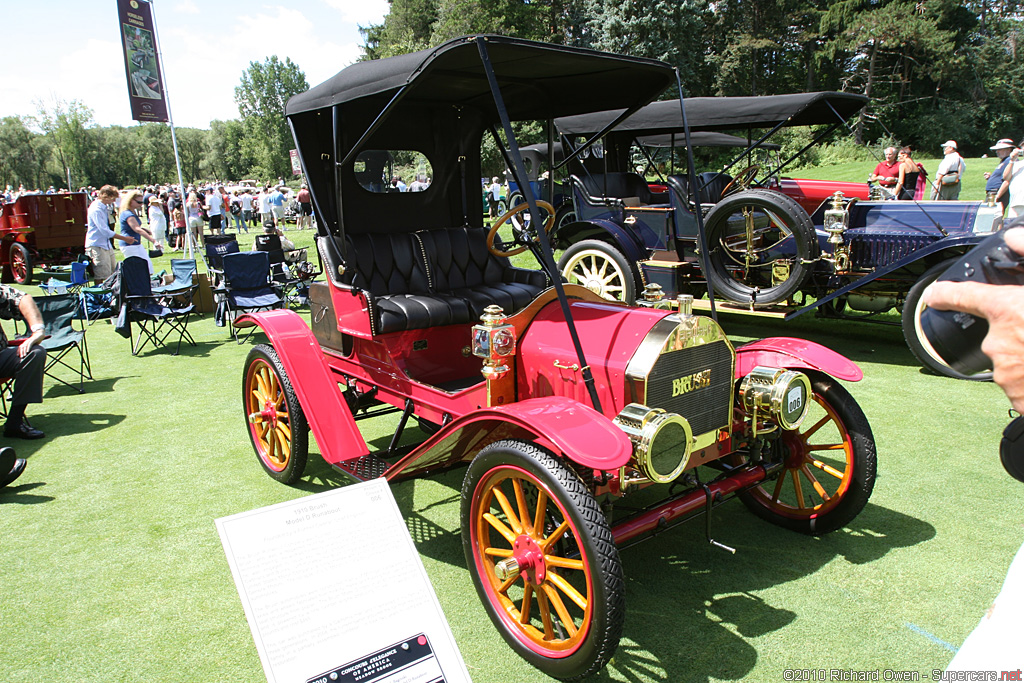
956,338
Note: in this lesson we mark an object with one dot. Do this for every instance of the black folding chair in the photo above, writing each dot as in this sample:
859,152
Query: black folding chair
247,288
59,312
216,250
156,321
280,271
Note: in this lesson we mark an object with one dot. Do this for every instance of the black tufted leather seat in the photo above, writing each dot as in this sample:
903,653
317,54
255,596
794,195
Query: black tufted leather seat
435,277
622,185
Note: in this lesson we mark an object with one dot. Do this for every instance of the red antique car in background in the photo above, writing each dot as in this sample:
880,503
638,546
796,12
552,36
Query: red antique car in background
41,230
558,403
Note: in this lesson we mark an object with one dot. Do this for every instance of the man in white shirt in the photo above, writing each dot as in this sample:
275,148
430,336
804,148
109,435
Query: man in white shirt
98,235
215,209
951,171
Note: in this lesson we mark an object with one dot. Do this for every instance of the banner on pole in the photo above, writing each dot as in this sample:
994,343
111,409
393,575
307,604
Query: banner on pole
145,88
293,154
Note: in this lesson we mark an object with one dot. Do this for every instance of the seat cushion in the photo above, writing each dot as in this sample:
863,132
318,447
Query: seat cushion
386,264
398,312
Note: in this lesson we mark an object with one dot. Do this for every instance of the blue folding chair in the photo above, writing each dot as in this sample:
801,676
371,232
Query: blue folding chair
78,279
247,288
155,320
216,250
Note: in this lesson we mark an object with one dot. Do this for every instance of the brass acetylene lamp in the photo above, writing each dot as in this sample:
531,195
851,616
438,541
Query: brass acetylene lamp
494,340
837,220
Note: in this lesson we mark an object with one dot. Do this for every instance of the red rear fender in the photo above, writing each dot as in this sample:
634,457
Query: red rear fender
315,385
787,352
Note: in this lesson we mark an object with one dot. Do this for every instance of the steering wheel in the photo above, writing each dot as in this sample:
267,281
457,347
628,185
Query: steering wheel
519,233
742,180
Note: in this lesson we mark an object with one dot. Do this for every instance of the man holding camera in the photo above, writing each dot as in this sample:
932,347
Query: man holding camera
995,643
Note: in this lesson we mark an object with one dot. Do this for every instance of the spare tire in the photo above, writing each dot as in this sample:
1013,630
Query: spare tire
761,247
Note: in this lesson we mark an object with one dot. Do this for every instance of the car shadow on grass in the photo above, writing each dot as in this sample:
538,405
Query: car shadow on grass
703,595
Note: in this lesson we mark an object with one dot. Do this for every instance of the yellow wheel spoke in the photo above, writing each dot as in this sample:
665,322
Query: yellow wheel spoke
563,613
826,468
568,589
563,562
555,535
261,386
498,552
538,517
826,447
545,615
815,427
798,488
507,583
506,507
282,442
524,514
815,483
500,527
524,610
778,488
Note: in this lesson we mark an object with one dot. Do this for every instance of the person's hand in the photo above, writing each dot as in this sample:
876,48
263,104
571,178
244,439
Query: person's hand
31,341
1003,307
987,176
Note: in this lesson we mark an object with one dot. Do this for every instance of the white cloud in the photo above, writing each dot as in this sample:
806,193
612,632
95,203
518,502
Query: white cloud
186,7
361,12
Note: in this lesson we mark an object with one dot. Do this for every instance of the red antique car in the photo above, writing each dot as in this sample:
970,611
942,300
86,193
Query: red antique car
559,404
41,230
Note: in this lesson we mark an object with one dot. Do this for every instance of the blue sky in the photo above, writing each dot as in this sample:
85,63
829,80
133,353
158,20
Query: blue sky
71,49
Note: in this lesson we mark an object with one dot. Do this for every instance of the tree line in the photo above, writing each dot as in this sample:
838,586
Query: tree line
61,140
934,69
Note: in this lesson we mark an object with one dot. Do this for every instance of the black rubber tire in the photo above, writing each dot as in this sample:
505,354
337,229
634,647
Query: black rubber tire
848,423
782,217
21,253
586,263
918,343
294,464
564,215
568,499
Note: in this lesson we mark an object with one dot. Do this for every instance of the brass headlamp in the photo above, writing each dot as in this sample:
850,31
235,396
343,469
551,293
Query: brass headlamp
782,396
494,340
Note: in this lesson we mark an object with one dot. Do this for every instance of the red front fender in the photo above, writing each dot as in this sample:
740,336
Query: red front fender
582,434
328,415
787,352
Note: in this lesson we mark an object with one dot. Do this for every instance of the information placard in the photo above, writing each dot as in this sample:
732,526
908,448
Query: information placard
334,590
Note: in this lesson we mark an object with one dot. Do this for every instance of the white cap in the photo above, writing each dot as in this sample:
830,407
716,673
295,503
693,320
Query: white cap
1005,143
949,143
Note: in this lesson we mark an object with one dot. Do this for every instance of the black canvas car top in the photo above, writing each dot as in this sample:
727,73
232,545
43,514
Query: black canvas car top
724,113
536,79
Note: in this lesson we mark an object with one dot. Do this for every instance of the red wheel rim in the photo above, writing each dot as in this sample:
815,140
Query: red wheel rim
269,421
19,266
818,468
548,604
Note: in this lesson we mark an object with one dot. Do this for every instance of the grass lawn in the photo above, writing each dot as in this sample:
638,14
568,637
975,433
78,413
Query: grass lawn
113,571
972,186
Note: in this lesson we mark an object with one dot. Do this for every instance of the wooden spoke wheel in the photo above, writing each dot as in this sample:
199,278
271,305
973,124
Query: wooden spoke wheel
542,558
21,264
277,425
601,268
829,465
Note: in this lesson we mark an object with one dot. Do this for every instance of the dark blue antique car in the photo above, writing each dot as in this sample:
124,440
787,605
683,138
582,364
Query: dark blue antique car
771,241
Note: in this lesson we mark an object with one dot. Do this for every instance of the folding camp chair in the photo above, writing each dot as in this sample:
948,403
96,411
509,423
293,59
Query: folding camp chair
156,321
216,249
247,288
78,278
59,312
280,272
182,287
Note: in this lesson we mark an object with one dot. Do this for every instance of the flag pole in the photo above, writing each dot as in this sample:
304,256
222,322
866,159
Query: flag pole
189,238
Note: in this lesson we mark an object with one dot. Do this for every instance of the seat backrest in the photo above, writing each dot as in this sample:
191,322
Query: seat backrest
135,277
58,310
458,258
389,263
246,270
710,186
78,274
183,270
618,185
216,251
268,243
